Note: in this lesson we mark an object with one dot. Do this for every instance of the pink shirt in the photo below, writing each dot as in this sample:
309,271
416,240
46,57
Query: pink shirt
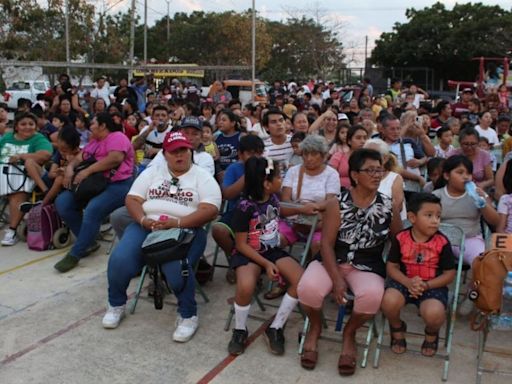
481,160
339,161
115,141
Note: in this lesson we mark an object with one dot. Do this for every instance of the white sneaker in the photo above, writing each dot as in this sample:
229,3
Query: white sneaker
113,316
185,328
10,237
465,307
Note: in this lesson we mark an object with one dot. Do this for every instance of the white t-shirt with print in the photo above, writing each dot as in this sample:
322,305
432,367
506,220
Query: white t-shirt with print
194,187
314,188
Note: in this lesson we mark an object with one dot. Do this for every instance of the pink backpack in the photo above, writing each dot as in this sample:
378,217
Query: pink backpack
42,223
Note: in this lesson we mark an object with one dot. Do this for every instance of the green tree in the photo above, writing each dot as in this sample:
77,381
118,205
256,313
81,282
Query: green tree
446,40
302,49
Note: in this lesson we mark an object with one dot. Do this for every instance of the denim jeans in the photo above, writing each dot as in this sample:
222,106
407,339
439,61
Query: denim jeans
126,262
86,225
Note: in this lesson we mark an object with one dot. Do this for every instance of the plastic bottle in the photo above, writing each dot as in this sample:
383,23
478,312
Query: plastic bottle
471,190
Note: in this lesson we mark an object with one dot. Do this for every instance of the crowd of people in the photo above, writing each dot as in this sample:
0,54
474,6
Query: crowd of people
172,158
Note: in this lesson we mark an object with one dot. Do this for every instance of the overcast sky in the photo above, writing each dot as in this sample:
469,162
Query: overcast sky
359,18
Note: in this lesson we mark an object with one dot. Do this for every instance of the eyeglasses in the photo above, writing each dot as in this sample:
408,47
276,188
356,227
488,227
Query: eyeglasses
472,145
373,171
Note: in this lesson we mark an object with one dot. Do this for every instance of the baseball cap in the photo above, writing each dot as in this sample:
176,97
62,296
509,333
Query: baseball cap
467,90
191,121
342,116
174,141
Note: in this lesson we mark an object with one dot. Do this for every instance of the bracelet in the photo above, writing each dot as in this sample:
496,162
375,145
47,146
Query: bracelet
141,221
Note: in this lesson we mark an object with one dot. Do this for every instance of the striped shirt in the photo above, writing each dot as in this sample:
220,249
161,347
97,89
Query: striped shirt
279,152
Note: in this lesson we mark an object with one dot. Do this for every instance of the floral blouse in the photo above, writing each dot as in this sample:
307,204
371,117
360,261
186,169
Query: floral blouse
363,233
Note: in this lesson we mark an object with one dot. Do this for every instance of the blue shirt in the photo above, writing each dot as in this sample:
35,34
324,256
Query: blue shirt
234,172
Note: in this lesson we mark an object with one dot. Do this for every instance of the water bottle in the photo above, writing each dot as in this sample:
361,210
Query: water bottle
471,190
506,299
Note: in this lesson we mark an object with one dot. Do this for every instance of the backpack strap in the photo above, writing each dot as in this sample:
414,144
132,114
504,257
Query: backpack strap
299,182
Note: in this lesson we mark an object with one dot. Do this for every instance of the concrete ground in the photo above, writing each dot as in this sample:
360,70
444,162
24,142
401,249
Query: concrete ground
50,326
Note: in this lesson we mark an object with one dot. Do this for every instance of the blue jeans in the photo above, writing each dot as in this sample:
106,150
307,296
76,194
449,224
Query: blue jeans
126,262
86,225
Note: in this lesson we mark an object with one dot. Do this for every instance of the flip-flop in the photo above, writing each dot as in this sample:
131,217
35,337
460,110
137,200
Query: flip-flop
275,292
346,365
308,359
396,341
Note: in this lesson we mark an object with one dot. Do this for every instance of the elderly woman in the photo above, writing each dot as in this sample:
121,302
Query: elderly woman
356,137
482,163
355,230
113,155
311,182
177,194
23,147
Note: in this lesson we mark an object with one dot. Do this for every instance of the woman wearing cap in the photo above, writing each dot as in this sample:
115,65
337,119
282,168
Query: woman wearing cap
177,194
113,155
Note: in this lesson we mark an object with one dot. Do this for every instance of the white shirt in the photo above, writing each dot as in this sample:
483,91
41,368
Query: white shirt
258,129
488,133
201,159
102,93
154,185
154,139
314,188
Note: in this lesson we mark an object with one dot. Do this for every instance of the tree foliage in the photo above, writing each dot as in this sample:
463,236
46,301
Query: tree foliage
298,47
446,40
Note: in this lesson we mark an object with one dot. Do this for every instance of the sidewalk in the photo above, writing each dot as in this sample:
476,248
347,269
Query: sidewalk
51,333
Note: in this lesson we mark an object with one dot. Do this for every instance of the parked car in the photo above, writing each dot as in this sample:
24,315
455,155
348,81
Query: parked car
28,89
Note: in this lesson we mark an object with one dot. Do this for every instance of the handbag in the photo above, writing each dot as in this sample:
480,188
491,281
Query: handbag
166,245
13,179
92,185
489,273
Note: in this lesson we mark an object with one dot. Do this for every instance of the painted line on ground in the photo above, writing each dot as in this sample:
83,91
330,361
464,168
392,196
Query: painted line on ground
33,262
15,356
230,358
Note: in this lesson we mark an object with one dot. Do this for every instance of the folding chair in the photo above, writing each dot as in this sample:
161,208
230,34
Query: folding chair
153,271
302,219
338,328
4,214
224,208
456,236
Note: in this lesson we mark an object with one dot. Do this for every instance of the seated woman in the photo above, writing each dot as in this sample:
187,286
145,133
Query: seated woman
178,194
114,157
354,232
311,182
26,147
480,159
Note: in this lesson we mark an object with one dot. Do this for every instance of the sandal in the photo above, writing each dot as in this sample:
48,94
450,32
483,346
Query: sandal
395,342
308,359
430,344
346,365
275,292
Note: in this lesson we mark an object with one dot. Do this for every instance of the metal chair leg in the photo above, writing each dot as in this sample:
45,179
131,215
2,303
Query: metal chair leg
380,331
139,289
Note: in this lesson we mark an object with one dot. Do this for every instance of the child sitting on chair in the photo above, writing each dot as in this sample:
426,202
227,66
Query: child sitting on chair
255,224
420,267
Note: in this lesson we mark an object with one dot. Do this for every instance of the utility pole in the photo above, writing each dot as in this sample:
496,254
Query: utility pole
365,53
168,29
132,37
253,58
145,31
66,14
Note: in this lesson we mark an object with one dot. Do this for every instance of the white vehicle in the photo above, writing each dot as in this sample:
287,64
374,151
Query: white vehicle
28,89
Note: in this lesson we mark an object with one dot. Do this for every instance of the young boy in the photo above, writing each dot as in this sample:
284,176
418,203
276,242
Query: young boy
434,171
445,138
232,187
296,139
483,143
277,146
420,266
